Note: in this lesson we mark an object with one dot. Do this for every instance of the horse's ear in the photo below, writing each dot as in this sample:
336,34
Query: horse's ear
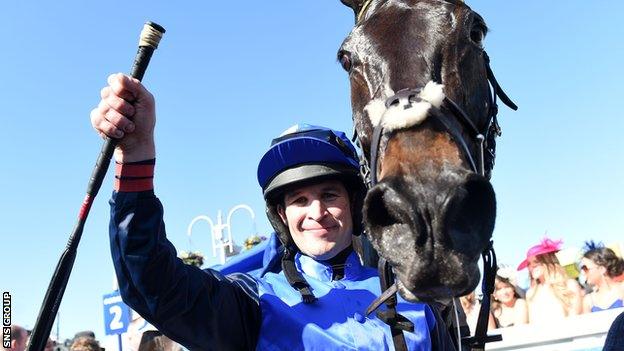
355,5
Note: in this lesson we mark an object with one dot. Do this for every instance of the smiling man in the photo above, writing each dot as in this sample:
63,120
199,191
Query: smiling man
310,180
319,218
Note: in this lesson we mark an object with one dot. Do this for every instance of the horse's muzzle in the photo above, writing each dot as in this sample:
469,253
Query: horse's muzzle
432,232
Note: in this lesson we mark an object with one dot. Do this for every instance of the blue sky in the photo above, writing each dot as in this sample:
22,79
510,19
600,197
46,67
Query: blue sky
229,76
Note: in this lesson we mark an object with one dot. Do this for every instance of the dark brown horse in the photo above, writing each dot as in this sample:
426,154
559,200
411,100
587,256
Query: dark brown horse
425,116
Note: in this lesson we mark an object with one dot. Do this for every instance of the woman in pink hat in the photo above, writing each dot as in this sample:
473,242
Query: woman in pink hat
552,294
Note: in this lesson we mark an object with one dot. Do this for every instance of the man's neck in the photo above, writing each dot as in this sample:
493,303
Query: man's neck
338,263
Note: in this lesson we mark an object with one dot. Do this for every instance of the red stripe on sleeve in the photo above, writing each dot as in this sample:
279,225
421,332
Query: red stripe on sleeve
134,185
132,170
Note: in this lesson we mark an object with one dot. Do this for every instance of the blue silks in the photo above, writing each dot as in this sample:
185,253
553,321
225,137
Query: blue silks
336,320
206,310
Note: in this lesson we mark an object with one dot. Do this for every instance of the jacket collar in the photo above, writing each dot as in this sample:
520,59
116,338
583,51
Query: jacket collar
323,271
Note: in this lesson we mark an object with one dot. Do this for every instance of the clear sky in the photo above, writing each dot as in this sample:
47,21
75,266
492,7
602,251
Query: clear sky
230,75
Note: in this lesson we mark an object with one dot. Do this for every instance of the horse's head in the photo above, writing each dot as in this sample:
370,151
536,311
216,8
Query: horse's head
432,211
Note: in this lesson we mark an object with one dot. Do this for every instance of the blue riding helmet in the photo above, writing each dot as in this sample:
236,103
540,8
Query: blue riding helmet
300,154
306,152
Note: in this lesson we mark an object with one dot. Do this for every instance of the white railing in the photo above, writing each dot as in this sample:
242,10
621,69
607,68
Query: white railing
582,332
219,241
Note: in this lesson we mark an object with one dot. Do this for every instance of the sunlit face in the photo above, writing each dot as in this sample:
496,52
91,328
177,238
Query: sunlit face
536,269
319,218
503,292
593,272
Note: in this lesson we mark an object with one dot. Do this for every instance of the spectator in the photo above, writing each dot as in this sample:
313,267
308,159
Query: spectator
19,336
153,340
85,343
85,333
508,306
552,295
471,306
600,266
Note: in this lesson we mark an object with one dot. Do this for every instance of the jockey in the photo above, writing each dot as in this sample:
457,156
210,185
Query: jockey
309,178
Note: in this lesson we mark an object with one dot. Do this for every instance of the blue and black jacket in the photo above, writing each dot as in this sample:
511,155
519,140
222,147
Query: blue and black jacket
206,310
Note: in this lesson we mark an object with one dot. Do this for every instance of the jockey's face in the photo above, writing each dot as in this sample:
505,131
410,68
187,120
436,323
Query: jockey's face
319,218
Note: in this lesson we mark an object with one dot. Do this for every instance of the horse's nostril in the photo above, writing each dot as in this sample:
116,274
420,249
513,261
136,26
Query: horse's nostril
472,209
379,207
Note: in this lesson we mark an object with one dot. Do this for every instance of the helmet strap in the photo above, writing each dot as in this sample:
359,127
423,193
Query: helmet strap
294,278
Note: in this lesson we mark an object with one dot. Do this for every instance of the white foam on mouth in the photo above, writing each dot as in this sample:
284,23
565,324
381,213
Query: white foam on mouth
397,117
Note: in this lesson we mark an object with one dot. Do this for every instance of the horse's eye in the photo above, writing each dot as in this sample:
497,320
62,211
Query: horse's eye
345,60
476,35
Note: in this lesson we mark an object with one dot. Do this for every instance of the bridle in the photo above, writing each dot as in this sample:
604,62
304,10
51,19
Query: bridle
486,140
481,163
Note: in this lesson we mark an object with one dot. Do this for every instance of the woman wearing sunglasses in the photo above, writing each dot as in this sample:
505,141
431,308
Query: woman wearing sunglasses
601,267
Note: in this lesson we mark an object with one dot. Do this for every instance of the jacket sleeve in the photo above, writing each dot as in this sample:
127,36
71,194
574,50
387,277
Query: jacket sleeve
202,310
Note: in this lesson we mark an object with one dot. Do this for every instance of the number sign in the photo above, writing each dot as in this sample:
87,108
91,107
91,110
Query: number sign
116,314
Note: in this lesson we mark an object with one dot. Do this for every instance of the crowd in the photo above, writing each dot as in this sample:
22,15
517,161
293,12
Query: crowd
593,283
151,340
82,341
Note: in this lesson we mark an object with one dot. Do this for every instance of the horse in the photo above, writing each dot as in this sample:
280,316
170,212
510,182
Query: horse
423,99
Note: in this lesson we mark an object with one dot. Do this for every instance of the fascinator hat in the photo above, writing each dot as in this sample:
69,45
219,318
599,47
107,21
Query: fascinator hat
544,247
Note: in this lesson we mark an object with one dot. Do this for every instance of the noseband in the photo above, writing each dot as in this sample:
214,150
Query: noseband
486,153
486,140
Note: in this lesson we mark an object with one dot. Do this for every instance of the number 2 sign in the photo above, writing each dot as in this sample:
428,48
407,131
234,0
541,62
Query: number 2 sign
116,314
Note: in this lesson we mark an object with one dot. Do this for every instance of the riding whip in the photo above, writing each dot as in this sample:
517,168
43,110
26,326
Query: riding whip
150,37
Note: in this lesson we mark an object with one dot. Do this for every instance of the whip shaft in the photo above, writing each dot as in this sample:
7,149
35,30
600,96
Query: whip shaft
150,37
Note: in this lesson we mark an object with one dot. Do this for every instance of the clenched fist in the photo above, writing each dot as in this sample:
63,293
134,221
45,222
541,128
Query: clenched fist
127,112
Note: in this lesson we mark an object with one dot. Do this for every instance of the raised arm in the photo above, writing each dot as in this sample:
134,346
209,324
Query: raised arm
201,310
